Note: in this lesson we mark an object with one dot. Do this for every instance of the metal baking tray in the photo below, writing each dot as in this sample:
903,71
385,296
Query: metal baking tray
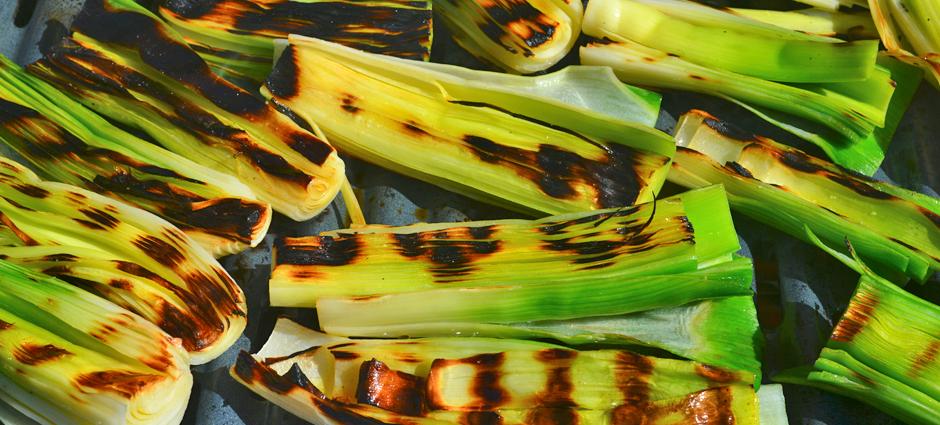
801,291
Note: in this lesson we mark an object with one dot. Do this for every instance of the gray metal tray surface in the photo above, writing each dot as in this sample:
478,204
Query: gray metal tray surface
800,291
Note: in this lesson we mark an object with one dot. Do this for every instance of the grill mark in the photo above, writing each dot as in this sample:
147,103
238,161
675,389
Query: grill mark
551,416
31,190
284,79
126,384
388,389
555,170
349,103
344,355
727,129
89,224
520,19
312,148
632,371
859,187
158,50
100,217
855,318
925,358
159,250
716,375
5,325
739,169
122,284
319,251
559,387
35,354
450,254
59,258
932,216
25,238
233,218
402,31
480,418
11,111
414,128
17,204
628,414
486,388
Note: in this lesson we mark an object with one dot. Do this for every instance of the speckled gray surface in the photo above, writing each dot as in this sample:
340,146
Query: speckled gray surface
801,289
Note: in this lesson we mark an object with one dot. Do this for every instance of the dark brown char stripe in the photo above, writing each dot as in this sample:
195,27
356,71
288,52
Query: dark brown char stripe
34,354
451,251
318,250
552,416
486,388
855,318
924,359
517,17
252,372
126,384
402,31
388,389
75,68
480,418
716,374
559,388
632,371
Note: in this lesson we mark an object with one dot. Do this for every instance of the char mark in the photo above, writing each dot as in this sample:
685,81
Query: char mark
322,251
855,318
728,130
388,389
34,354
159,250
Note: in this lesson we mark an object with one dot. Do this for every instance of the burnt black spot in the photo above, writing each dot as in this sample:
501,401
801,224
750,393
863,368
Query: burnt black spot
409,244
715,374
480,418
159,250
739,169
344,355
191,9
17,205
5,325
297,376
287,111
482,232
34,354
551,416
697,77
486,149
632,372
349,103
321,251
122,284
32,190
226,217
452,257
283,79
932,216
538,28
388,389
413,128
729,130
100,217
315,150
559,387
10,111
801,162
273,163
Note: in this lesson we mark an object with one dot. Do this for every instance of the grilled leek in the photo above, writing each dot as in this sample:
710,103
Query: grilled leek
484,135
883,351
906,26
679,234
69,357
126,64
379,381
71,144
517,36
840,116
896,231
128,255
236,36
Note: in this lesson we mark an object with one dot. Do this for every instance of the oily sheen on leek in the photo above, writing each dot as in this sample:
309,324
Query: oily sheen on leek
236,36
851,118
70,357
909,31
895,231
126,64
423,381
570,141
883,352
517,36
71,144
132,257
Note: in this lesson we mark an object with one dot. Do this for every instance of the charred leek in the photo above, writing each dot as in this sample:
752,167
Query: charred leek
679,234
485,135
517,36
69,357
71,144
840,116
342,381
125,254
895,231
910,25
127,65
236,36
883,352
